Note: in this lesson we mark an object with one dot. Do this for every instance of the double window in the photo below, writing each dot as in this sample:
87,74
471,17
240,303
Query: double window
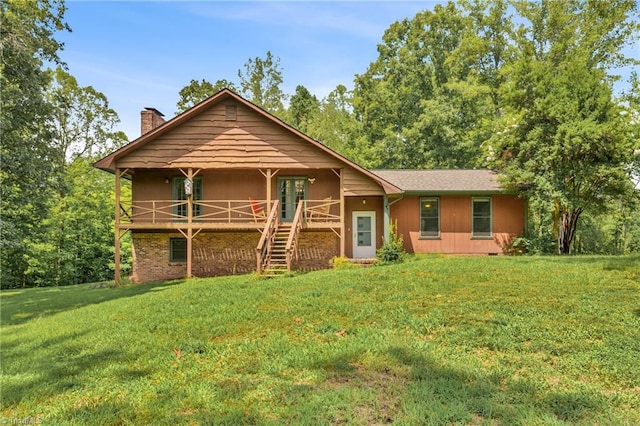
481,217
179,194
429,217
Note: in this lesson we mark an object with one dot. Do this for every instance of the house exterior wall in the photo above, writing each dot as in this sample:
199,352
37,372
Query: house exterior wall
508,213
353,204
221,253
224,185
210,141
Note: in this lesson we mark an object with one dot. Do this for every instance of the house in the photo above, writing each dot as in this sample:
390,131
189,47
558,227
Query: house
228,188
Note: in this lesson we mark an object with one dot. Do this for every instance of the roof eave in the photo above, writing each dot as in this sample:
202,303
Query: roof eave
109,162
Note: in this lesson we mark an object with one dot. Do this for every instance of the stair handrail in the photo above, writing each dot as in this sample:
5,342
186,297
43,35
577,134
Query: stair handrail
266,240
291,248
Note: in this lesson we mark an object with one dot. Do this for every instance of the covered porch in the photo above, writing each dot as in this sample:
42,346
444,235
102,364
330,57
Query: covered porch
192,200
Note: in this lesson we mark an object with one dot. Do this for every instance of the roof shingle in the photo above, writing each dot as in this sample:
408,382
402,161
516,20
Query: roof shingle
477,180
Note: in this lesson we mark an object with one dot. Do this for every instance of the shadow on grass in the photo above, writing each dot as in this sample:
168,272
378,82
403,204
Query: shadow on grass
22,305
444,395
53,366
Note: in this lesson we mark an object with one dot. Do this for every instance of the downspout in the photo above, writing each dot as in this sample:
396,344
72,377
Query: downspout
386,207
386,219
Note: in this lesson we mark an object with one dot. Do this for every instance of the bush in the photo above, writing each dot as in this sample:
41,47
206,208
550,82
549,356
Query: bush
392,251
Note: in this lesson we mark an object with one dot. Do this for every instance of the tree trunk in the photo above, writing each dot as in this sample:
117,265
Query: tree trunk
567,229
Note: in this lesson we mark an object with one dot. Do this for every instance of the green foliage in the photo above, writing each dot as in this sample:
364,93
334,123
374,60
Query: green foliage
336,126
392,251
430,98
561,133
338,262
82,123
27,176
303,108
260,83
56,210
441,340
197,91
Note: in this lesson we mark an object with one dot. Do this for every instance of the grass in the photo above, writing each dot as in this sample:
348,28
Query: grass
437,340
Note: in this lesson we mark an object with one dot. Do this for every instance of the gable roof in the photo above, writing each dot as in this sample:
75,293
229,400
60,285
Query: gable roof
443,181
108,163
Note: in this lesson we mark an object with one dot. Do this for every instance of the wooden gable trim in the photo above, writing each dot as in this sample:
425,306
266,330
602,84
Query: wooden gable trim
109,162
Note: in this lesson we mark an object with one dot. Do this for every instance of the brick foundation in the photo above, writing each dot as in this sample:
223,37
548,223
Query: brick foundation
221,253
316,248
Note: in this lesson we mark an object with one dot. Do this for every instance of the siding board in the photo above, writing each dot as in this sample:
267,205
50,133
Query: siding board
207,141
455,225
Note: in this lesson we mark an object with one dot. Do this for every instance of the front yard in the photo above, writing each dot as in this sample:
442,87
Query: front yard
436,340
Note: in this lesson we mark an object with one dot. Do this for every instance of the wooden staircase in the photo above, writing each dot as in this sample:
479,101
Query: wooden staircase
276,262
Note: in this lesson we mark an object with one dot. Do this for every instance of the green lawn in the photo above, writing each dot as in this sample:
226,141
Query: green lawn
436,340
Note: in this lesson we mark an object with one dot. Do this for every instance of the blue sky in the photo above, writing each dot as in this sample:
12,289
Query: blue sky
141,54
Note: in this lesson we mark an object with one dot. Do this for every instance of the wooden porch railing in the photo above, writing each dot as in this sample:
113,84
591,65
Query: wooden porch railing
291,249
266,240
220,211
210,211
322,210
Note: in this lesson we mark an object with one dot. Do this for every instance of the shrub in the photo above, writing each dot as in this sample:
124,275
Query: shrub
392,251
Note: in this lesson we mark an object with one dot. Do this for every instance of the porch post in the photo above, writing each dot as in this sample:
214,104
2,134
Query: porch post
386,219
116,231
342,216
268,192
189,224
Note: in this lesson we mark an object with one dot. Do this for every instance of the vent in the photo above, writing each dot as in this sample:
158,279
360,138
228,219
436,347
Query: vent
231,112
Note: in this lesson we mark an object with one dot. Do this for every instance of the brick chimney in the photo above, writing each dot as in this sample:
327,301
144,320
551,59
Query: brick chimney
150,118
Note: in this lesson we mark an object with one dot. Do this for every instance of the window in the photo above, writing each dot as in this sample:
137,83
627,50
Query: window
177,249
429,217
179,195
481,212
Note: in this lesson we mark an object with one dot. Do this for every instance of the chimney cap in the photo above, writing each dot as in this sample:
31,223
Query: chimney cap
154,111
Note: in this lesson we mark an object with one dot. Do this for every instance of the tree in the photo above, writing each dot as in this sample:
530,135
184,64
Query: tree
82,122
336,126
197,91
27,178
75,244
430,98
303,108
260,83
562,136
78,244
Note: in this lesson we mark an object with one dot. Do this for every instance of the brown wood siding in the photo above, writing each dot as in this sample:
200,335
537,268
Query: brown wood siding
356,184
455,225
354,204
207,141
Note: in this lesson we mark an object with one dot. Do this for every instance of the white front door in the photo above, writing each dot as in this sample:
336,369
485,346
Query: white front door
364,235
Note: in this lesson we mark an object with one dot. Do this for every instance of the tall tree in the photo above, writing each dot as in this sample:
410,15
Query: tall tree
260,83
82,127
430,97
82,122
197,91
561,134
336,126
27,178
303,108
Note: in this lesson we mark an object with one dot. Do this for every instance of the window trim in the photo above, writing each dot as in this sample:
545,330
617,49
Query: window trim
429,237
484,235
172,258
